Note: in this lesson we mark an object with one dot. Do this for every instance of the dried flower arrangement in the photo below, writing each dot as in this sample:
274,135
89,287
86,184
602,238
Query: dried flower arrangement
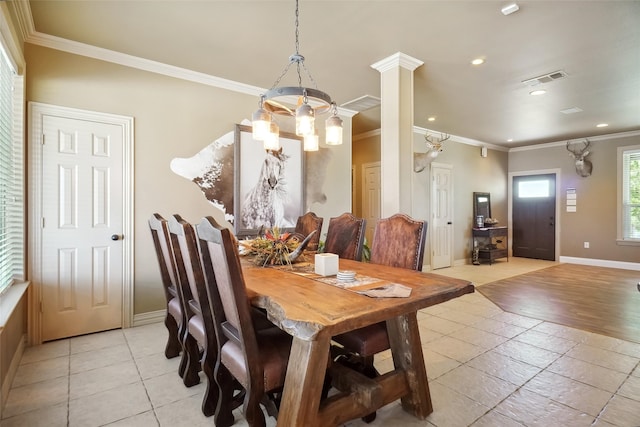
274,248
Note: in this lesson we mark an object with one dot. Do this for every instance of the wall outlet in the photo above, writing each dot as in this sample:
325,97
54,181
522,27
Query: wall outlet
586,245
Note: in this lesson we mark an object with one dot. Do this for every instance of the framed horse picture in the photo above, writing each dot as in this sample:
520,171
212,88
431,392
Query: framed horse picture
269,184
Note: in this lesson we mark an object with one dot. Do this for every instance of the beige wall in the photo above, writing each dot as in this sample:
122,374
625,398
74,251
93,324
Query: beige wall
595,219
470,172
173,118
365,150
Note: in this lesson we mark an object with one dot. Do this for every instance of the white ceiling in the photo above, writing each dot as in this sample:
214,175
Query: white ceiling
597,44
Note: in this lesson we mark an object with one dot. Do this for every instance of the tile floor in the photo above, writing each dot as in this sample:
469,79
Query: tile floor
486,368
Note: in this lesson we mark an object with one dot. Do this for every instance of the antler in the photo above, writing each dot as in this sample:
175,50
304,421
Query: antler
438,143
580,152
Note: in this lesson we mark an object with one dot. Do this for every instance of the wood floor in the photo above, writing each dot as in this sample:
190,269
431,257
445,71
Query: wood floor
596,299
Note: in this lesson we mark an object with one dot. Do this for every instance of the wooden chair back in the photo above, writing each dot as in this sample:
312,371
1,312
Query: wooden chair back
185,250
200,327
174,320
235,320
250,352
160,235
399,241
306,224
345,236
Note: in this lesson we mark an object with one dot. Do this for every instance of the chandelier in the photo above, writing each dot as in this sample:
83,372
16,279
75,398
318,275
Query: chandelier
310,102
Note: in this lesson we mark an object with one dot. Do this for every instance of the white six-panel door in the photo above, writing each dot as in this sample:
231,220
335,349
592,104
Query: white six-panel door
442,216
371,197
82,266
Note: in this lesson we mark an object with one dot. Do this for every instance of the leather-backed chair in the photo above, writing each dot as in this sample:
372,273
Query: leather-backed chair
200,342
257,358
345,236
187,369
305,225
398,241
174,320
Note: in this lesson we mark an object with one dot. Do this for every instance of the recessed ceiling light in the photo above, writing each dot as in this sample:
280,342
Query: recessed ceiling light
509,9
510,140
432,119
602,125
571,110
537,92
477,61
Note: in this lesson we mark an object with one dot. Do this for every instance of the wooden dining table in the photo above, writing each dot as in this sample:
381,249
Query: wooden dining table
313,311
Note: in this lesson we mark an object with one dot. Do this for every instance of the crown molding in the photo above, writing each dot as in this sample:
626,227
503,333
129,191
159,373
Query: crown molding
25,24
10,39
30,35
461,139
564,142
90,51
107,55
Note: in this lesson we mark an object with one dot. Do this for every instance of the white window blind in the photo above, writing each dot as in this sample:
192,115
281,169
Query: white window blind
11,176
631,194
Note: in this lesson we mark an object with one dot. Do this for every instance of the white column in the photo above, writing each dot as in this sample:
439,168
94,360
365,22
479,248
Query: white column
396,132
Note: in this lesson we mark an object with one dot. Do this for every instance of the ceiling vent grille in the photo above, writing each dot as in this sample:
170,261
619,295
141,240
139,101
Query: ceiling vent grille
363,103
545,78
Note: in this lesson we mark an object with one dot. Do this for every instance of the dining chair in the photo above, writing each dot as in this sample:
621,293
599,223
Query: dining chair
200,342
398,241
256,357
305,225
180,295
174,319
345,236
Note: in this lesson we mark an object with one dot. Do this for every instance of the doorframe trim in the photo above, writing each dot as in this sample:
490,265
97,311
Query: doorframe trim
557,173
36,112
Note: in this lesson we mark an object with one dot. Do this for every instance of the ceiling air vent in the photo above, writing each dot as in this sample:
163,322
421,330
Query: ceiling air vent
545,78
362,104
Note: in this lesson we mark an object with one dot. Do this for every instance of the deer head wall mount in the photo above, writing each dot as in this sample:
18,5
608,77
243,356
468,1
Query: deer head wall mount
583,166
434,146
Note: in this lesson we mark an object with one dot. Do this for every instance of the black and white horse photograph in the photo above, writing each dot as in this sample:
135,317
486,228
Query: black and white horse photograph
270,182
268,189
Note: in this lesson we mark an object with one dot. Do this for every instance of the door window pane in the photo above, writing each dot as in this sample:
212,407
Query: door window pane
537,188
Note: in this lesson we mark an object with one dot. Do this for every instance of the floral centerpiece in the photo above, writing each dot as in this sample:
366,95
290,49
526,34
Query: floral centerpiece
275,247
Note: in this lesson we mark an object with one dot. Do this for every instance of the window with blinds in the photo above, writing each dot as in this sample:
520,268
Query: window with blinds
630,193
11,176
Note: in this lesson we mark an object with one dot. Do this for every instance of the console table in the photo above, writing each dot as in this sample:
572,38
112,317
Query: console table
491,242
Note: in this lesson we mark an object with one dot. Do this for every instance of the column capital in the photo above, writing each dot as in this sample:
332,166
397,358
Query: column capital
398,59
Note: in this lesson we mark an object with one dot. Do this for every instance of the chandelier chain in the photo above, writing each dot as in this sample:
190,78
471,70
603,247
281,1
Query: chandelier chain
296,58
297,30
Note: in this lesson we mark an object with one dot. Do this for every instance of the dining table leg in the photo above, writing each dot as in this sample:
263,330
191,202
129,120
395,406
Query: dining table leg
406,348
304,381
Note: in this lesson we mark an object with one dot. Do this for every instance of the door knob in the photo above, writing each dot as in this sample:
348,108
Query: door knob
449,223
117,237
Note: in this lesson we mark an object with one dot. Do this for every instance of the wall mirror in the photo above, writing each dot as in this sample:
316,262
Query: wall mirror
481,205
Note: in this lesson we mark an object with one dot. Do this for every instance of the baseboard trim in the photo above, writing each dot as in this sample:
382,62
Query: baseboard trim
149,317
601,263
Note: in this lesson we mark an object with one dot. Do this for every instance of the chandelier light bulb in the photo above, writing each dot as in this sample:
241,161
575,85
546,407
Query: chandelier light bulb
272,140
305,120
260,122
311,142
334,130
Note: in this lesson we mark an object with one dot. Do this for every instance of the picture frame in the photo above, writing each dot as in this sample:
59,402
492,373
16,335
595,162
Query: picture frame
269,187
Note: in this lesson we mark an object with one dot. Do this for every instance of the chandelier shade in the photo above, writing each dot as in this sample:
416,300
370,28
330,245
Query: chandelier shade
303,103
311,142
